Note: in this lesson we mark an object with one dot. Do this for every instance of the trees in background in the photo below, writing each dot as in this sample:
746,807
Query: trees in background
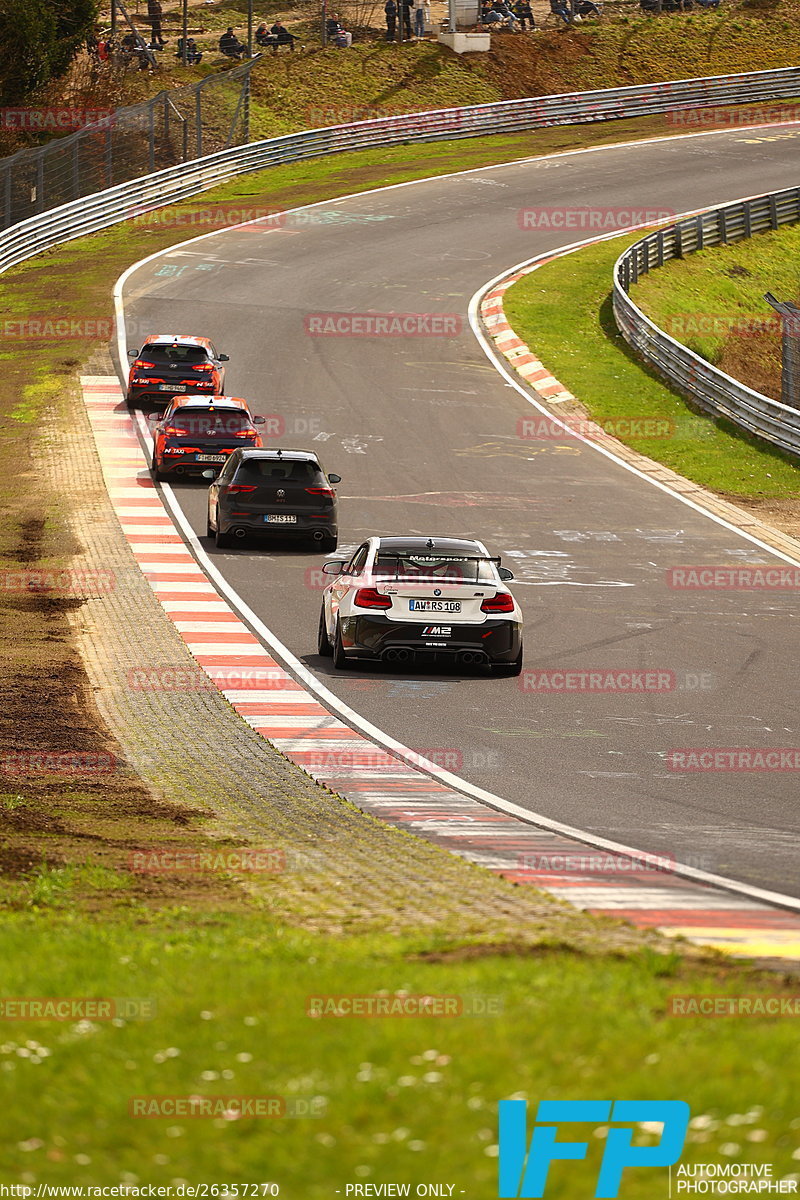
38,40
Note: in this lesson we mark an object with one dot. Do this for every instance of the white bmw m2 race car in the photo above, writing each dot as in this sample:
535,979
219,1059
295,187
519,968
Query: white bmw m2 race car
411,599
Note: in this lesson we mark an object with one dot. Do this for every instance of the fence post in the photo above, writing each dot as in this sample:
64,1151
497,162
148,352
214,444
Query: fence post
198,117
40,182
76,169
109,158
151,148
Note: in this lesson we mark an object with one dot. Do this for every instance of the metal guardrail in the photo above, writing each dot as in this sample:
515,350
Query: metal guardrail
102,209
710,389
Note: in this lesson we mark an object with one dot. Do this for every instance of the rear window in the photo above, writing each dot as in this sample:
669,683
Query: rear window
199,424
164,354
270,470
403,564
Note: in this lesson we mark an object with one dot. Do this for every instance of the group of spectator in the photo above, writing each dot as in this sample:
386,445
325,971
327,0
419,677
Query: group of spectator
412,27
517,15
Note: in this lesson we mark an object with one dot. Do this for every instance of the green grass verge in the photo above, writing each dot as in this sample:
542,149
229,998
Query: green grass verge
713,302
407,1100
563,310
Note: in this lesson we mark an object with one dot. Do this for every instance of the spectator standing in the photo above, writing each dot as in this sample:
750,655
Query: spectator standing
390,8
523,12
405,9
419,20
154,14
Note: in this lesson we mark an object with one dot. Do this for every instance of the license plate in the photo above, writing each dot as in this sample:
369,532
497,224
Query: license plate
172,387
280,519
211,458
434,605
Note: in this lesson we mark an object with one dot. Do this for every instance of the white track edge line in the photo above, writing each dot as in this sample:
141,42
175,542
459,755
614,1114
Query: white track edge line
310,680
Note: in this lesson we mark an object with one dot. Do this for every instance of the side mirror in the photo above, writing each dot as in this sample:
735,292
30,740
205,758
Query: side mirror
209,474
333,568
224,358
259,420
133,354
335,478
505,574
154,416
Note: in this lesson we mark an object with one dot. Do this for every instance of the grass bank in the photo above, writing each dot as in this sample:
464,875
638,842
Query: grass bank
573,293
713,302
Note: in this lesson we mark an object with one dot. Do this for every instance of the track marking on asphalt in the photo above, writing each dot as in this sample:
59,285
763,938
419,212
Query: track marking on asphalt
448,780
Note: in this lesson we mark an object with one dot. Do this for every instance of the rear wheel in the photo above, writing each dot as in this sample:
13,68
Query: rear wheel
156,473
509,669
223,540
328,543
339,660
324,646
209,529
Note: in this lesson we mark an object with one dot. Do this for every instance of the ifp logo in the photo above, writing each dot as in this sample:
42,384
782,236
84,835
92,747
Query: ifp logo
524,1170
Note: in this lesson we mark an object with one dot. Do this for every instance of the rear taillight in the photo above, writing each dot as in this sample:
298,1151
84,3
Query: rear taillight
174,431
372,598
503,602
235,488
147,366
203,367
329,492
246,433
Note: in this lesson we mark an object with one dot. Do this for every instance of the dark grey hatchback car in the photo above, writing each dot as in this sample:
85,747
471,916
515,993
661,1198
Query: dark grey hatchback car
274,492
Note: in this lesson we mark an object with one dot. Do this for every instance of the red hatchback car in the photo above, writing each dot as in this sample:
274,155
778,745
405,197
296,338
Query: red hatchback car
198,433
172,365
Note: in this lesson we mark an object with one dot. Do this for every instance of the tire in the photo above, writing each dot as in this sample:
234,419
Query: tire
340,662
209,530
509,669
223,540
324,646
129,400
328,544
156,473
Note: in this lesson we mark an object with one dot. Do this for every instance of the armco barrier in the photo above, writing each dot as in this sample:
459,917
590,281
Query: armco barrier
711,390
105,208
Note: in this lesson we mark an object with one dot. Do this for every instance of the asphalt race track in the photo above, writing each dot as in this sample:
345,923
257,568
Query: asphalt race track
424,432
